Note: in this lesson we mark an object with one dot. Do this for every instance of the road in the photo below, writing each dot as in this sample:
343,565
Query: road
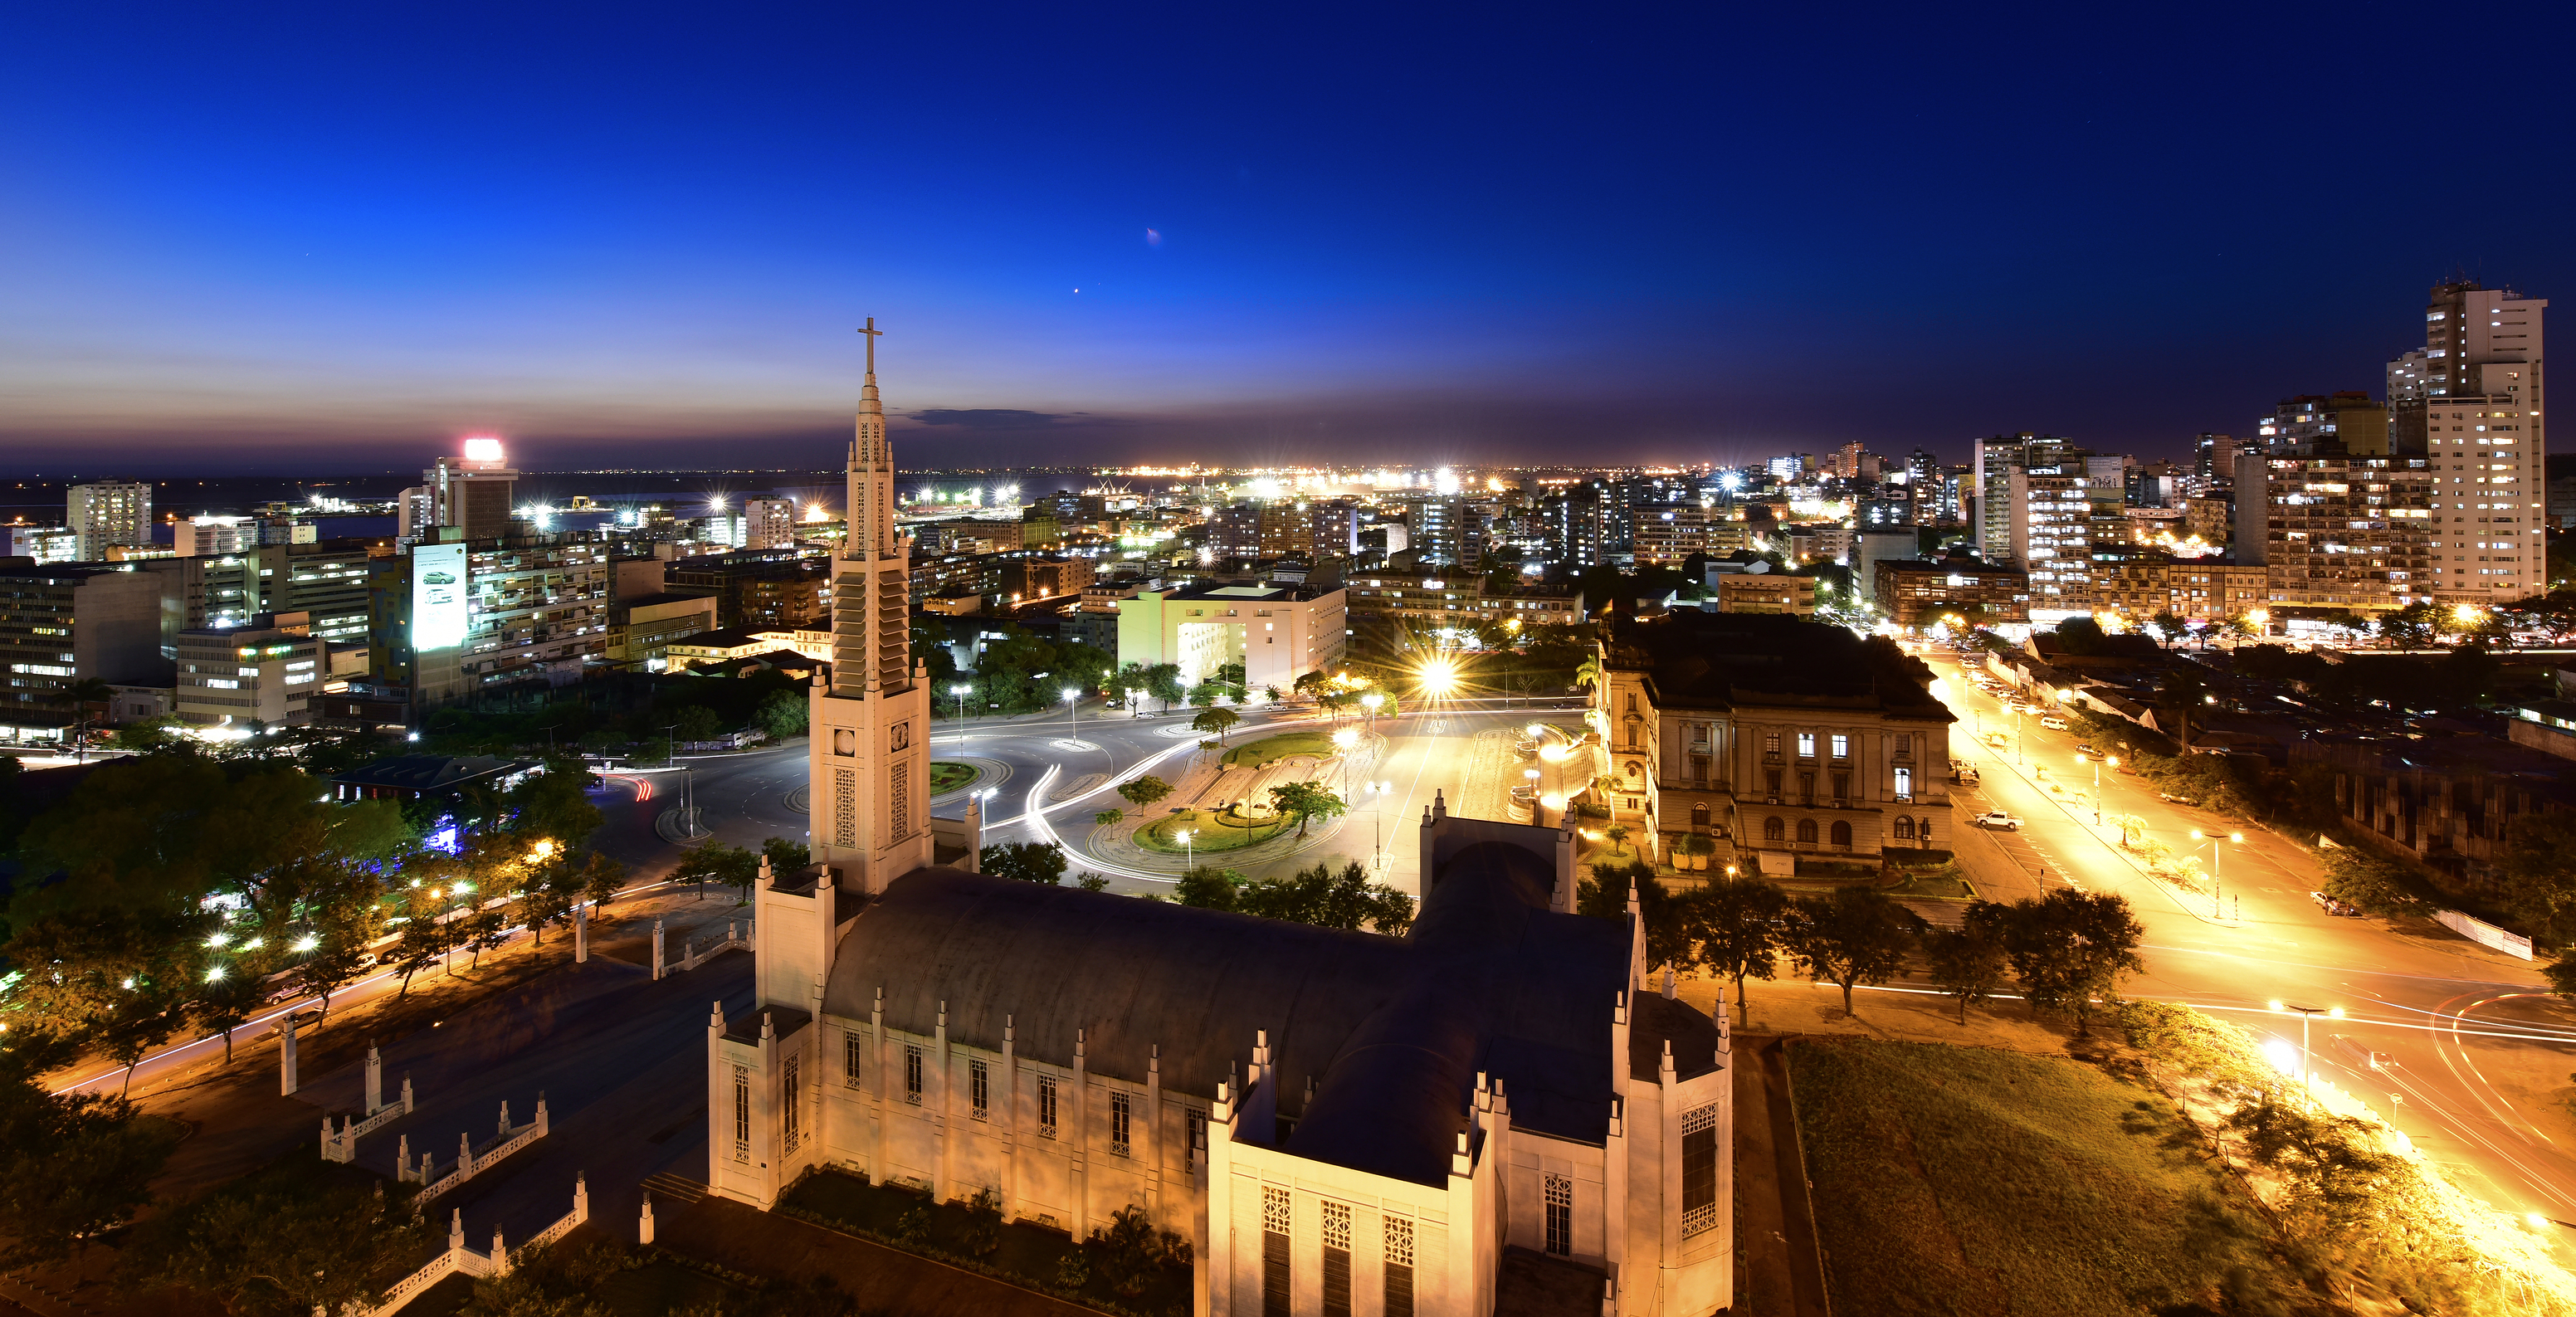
2468,1038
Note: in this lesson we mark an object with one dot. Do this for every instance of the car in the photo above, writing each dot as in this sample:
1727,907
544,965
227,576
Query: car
2172,799
2086,751
2334,907
1998,739
2025,710
1995,818
2053,723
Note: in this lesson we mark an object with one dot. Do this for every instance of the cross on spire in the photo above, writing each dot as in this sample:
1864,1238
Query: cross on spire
873,333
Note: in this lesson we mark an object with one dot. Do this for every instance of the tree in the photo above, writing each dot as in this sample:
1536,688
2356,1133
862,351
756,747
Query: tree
2169,625
1970,962
1163,682
2181,692
1204,696
72,1166
2130,825
1308,801
283,1240
2070,948
711,860
1852,937
556,803
2468,673
2410,627
1131,1250
783,715
225,998
1104,818
2080,635
1144,791
2539,880
2373,885
1735,929
1027,861
1216,720
1209,888
82,696
1605,895
1328,898
785,855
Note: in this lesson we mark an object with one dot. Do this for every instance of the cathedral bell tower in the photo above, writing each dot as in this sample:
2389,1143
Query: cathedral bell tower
870,768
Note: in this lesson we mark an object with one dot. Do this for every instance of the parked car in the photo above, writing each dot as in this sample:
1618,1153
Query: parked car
2172,799
2053,723
2086,751
1995,818
2334,907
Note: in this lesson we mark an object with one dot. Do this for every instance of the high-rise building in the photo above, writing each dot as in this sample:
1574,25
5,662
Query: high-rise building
2468,328
768,523
870,748
1448,532
267,671
2338,531
2051,533
109,512
2489,505
2215,456
474,492
2350,418
1997,458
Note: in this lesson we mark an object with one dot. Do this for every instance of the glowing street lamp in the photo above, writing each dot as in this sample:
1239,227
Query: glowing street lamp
1370,702
2307,1015
1189,858
2213,839
961,690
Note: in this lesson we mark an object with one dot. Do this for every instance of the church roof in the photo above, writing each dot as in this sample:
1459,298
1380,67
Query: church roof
1393,1031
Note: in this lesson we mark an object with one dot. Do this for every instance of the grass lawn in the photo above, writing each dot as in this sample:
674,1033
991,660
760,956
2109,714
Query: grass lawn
946,777
1029,1252
1963,1180
1210,833
1268,748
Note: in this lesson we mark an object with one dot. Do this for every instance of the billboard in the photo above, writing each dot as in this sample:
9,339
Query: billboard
437,596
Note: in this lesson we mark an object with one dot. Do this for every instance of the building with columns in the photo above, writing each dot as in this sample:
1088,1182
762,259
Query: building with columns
1803,744
1503,1101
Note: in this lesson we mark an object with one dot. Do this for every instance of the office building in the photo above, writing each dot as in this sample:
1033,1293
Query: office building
2194,589
108,513
1278,631
265,671
460,616
2214,456
209,536
68,622
471,496
1915,593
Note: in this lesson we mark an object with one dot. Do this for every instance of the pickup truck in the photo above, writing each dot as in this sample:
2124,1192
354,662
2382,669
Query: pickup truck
1995,818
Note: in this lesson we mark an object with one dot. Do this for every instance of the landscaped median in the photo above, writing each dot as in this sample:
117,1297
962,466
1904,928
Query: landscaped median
1211,831
1272,749
947,776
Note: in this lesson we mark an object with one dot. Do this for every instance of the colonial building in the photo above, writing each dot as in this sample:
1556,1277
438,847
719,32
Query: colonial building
1498,1103
1795,740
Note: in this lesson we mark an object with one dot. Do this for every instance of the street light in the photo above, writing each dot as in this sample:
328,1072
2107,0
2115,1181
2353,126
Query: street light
1377,821
961,690
2307,1014
1073,712
1189,857
1370,702
2213,839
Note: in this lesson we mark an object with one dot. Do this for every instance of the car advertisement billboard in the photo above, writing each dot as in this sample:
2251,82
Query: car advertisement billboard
437,596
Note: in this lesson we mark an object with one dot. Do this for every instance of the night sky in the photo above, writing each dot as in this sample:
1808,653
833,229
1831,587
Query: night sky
330,238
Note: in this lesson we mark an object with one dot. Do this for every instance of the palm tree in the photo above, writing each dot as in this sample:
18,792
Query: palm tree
1588,672
80,696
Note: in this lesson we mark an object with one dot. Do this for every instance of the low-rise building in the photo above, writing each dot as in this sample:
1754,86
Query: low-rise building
1026,579
1917,592
1277,631
1764,592
2194,589
641,629
1795,741
265,672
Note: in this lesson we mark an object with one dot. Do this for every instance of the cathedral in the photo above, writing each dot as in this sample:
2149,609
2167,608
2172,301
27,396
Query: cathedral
1498,1111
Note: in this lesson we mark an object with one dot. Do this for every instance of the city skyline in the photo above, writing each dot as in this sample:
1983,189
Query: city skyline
285,240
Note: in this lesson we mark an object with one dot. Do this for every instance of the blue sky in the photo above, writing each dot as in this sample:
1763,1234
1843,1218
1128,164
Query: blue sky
319,238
